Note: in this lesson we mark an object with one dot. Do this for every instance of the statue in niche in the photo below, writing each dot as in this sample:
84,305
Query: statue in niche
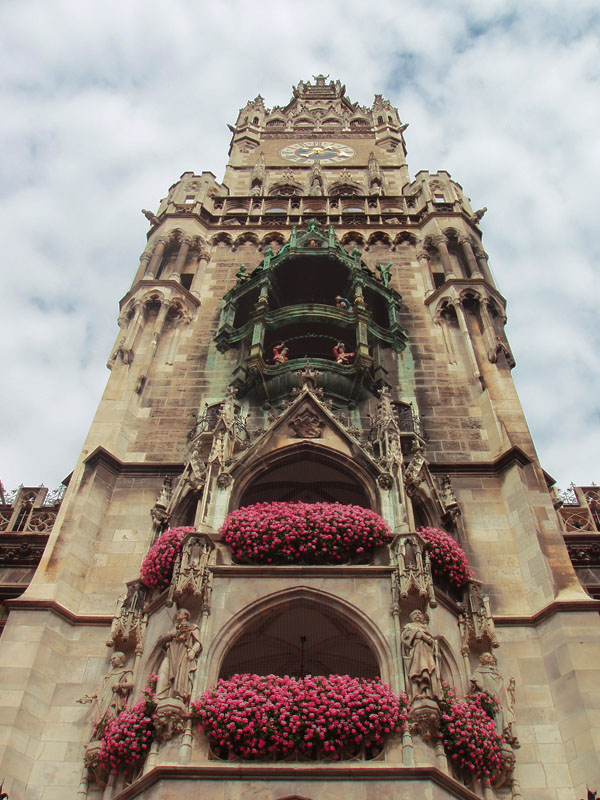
280,353
340,354
487,678
419,647
178,668
112,695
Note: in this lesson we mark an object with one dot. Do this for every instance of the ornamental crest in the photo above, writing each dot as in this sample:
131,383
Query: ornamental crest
306,425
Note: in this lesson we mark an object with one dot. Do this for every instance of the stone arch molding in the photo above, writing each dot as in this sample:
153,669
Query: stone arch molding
234,627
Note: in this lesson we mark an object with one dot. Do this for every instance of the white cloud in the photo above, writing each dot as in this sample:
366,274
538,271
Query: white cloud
103,111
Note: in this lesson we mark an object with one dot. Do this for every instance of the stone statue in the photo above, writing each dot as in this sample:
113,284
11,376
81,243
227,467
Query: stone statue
486,678
384,271
478,215
112,695
280,353
178,668
152,218
420,657
340,354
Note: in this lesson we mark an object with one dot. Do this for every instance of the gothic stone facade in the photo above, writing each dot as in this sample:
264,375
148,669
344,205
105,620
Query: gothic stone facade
316,235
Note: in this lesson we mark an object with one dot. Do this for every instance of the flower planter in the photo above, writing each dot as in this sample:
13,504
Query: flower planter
126,738
304,533
449,566
157,567
468,733
272,718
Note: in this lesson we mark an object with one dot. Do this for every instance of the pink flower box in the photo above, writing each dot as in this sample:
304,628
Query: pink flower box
269,717
157,567
468,733
305,533
448,560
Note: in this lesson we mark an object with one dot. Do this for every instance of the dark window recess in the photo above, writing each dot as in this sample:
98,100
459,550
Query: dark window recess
186,281
376,304
439,279
309,280
244,308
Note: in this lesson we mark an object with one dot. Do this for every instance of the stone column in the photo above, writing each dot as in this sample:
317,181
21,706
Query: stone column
483,265
462,324
198,279
467,249
440,243
144,259
423,257
156,259
184,249
134,326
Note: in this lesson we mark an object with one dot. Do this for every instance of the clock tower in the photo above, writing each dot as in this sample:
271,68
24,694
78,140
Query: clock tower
308,550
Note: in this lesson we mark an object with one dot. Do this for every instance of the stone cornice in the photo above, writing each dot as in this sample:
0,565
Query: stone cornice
34,604
333,571
515,455
515,621
556,607
467,283
102,457
297,772
147,284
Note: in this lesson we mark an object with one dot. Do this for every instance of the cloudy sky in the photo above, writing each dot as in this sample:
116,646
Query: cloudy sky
105,104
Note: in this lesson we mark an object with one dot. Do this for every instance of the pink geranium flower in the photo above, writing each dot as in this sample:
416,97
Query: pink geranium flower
126,738
448,559
468,733
270,717
157,567
308,533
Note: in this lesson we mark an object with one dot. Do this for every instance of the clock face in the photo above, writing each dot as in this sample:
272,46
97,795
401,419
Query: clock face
305,152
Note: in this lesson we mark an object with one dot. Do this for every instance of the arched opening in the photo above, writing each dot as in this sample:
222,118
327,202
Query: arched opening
307,475
300,637
422,514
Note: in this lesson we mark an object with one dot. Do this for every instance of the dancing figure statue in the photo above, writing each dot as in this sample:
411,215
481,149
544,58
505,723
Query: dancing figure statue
280,353
340,354
343,303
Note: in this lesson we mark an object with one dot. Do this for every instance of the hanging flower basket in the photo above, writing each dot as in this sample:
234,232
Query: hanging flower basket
270,718
127,737
468,733
303,533
157,567
448,560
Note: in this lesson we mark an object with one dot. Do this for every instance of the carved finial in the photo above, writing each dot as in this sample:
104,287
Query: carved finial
308,377
165,492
